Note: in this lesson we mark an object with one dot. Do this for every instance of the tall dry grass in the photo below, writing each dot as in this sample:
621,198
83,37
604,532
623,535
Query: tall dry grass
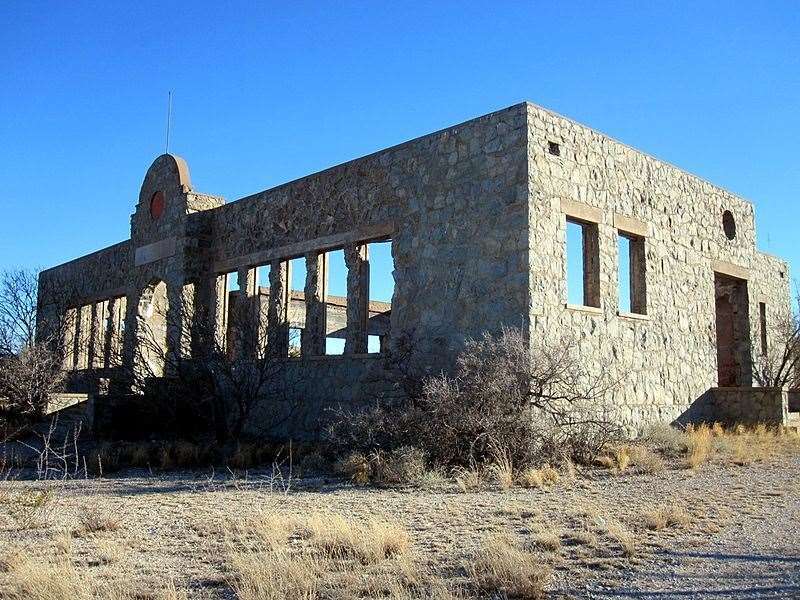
501,567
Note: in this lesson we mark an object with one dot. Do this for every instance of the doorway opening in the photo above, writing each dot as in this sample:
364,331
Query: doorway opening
733,331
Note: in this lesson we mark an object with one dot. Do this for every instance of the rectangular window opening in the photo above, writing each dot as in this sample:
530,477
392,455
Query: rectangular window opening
262,306
583,264
297,304
228,309
762,320
336,303
632,274
381,291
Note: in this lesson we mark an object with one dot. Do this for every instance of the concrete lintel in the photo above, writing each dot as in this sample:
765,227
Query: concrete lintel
80,300
155,251
362,234
730,269
581,211
631,225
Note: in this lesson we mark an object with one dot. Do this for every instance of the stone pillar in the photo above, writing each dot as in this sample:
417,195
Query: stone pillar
316,295
111,332
84,336
278,309
357,261
97,355
214,299
246,312
70,338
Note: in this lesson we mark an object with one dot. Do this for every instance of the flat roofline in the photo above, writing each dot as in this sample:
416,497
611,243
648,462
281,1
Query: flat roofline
376,153
638,151
84,257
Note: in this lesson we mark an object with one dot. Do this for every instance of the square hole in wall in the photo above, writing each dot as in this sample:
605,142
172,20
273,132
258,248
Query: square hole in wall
554,148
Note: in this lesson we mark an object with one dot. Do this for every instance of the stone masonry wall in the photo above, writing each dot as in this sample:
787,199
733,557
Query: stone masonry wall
476,214
667,358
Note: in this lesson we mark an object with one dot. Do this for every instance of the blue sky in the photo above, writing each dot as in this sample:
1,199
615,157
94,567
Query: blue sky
264,95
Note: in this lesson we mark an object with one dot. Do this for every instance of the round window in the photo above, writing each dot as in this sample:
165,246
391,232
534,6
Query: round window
728,225
157,205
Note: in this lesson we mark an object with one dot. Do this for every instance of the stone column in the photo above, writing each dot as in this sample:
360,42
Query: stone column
97,337
357,261
312,342
70,338
214,300
246,313
278,309
84,336
111,332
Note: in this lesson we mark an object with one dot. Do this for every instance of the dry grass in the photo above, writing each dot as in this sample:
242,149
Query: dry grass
537,478
502,469
469,480
339,538
645,460
34,579
666,516
699,445
275,574
94,521
502,567
623,537
547,540
615,459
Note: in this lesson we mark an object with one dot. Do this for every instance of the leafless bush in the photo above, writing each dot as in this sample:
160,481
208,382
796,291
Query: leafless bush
31,364
536,402
779,366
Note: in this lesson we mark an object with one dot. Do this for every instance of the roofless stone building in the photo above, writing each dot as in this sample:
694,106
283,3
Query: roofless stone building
477,217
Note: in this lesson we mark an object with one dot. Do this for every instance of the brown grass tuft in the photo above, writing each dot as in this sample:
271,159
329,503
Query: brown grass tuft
275,575
338,538
665,516
501,567
698,445
94,521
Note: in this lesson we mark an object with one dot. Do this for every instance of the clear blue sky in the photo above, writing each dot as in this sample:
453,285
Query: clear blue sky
265,95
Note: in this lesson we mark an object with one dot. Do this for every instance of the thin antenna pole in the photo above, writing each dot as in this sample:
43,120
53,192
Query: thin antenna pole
169,120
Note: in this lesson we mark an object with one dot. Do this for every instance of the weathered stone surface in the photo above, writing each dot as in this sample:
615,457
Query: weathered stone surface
477,218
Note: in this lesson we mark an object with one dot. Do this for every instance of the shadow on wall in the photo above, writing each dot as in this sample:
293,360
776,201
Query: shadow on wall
739,406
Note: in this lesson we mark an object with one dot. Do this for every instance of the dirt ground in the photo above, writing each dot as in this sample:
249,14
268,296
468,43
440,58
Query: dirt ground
736,535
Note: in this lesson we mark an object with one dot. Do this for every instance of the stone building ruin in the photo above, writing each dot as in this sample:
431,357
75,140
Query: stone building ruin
477,216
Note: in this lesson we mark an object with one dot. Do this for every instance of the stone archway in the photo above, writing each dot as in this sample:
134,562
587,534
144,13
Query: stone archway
152,329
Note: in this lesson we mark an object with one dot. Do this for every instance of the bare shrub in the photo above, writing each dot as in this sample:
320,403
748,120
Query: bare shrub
502,567
779,366
537,402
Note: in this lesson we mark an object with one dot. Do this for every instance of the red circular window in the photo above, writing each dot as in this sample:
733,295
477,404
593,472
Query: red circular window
157,205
